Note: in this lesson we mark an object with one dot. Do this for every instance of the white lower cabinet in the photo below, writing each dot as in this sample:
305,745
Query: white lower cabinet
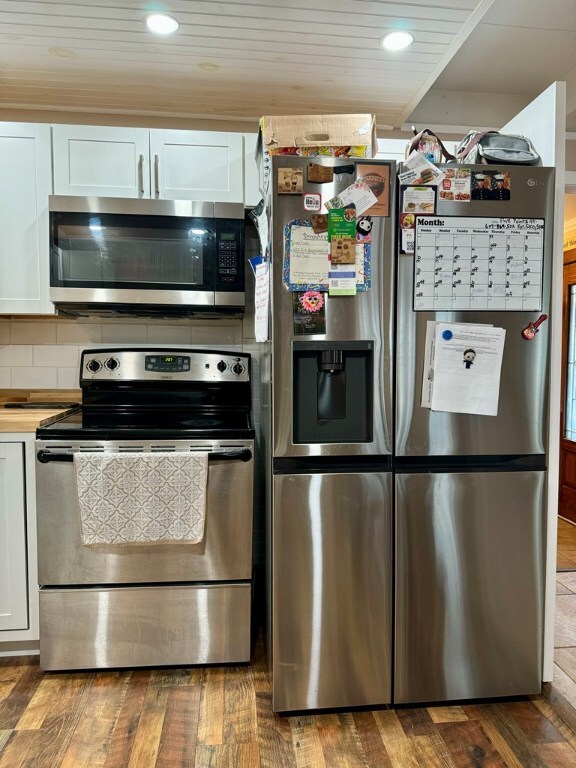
25,184
13,586
18,559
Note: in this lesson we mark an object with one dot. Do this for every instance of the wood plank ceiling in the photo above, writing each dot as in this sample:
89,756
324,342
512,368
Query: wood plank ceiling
236,59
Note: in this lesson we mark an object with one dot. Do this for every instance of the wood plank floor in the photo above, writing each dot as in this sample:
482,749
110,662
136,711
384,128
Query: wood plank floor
222,717
566,548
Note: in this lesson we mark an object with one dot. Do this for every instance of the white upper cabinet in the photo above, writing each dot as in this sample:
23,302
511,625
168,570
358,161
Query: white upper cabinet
252,194
25,184
101,161
197,165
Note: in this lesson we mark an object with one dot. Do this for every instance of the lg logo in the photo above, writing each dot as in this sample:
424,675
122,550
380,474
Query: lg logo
534,182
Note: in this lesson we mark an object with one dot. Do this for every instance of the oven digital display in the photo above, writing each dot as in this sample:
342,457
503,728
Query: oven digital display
171,363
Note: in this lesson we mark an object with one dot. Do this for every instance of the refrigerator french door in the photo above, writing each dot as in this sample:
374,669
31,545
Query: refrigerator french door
470,495
330,618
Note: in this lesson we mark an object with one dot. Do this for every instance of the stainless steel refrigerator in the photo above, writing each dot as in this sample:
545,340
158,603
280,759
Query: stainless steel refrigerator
330,623
406,546
470,490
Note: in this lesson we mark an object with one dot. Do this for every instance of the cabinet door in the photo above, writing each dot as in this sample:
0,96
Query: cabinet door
101,161
252,194
197,165
25,184
13,586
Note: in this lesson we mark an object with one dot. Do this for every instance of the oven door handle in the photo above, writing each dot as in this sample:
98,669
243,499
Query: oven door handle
244,454
45,456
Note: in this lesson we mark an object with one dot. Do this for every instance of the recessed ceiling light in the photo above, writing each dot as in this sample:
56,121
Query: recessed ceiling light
396,41
161,23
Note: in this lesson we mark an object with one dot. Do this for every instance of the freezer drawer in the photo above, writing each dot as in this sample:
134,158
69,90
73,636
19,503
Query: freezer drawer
331,590
144,626
469,585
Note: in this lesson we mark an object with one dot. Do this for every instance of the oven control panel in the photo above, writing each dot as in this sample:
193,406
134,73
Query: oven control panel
171,363
164,364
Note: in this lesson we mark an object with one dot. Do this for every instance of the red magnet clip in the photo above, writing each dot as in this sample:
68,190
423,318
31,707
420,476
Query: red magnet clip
532,328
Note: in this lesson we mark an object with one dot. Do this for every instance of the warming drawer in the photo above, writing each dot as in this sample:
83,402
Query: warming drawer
144,626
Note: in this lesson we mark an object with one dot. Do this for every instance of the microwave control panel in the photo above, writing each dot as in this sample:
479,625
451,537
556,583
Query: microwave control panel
229,255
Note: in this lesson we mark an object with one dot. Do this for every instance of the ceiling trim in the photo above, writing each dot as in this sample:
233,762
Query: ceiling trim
458,40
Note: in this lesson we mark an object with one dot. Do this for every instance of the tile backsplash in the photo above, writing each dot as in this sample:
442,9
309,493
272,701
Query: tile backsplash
45,353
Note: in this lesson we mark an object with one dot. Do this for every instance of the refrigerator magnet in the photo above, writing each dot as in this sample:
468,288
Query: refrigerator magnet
320,174
529,333
312,201
377,177
306,263
319,223
455,186
290,181
308,313
417,199
340,169
342,222
343,250
364,229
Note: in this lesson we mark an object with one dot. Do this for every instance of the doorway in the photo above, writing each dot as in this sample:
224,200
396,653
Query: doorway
567,491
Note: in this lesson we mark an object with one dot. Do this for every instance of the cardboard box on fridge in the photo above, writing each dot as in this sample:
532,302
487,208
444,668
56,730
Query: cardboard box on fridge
314,136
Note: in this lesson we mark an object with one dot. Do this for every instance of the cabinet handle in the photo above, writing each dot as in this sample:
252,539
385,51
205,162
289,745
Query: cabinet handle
141,175
157,175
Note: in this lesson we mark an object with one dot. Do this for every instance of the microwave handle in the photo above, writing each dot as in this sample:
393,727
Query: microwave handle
157,175
141,175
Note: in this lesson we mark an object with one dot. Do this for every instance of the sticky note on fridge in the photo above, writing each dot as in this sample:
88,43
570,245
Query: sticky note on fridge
320,174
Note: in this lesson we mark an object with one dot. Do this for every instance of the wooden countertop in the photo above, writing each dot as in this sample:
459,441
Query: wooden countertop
27,419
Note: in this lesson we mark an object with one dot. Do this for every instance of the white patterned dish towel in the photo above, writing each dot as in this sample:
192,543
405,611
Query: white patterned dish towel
141,498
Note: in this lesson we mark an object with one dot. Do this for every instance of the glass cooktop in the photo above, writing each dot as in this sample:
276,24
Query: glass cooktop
159,423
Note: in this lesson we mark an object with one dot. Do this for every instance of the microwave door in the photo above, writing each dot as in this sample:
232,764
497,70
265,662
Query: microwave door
146,257
133,259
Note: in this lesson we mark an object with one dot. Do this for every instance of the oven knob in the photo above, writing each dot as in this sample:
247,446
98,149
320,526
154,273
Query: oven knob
93,366
112,363
221,366
237,369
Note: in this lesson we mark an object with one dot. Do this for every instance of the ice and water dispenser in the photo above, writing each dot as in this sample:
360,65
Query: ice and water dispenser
332,391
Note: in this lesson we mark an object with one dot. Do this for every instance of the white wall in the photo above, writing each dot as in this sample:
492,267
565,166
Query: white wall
544,121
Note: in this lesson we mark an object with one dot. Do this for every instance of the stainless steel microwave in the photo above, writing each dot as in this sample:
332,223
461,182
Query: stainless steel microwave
118,256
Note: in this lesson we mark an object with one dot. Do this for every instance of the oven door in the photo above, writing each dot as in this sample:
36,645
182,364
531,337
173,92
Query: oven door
224,555
124,253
